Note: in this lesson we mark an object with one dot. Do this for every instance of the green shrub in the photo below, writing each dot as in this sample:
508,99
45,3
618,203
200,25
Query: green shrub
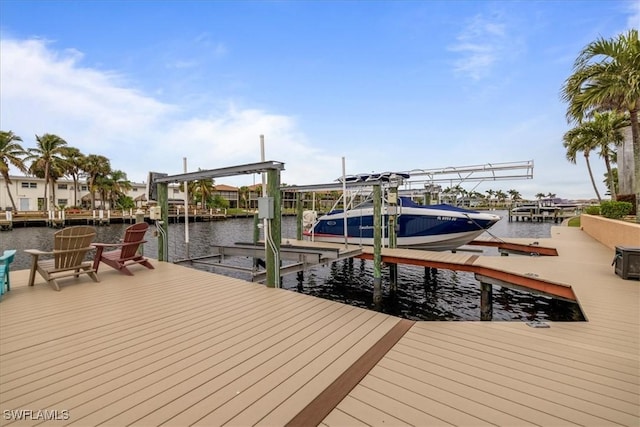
615,210
631,198
592,210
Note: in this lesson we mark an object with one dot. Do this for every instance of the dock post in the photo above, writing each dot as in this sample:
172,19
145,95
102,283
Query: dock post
139,219
486,303
299,213
377,245
393,236
274,233
256,237
163,202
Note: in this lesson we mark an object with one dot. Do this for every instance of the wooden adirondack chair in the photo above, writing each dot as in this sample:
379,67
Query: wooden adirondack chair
126,252
70,246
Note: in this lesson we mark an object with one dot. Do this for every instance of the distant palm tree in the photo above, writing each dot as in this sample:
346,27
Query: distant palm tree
514,195
244,193
203,189
606,75
115,185
501,196
95,166
490,194
75,162
540,196
11,153
47,161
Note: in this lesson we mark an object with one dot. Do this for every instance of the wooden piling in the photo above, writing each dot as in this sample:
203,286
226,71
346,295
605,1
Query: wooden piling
273,249
486,301
393,236
163,202
377,245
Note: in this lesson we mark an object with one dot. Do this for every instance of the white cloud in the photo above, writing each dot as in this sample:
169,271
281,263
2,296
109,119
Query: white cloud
481,44
45,91
484,43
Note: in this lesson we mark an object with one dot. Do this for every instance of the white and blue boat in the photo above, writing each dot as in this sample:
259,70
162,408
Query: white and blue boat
432,227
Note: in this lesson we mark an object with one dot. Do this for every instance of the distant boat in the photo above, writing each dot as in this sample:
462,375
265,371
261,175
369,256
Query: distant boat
433,227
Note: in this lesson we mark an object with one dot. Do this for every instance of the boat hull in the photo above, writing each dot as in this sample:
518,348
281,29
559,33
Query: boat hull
422,227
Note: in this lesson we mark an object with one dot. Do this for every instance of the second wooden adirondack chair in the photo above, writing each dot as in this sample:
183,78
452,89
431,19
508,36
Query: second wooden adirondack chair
126,252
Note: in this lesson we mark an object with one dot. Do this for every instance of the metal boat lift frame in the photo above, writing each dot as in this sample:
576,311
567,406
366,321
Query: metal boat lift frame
158,183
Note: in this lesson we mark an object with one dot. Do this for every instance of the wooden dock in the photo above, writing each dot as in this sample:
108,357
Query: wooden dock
178,346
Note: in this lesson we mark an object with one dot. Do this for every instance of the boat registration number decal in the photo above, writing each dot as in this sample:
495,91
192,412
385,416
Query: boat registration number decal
446,218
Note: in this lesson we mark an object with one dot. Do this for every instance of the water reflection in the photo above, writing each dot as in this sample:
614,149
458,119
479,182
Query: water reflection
422,293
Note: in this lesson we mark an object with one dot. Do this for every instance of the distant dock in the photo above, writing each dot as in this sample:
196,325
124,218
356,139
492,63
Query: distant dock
538,215
95,217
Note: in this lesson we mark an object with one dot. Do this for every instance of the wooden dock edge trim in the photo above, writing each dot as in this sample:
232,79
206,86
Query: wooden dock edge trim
318,409
537,284
517,247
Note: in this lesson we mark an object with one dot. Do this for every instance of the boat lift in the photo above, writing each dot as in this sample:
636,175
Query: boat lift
417,180
269,204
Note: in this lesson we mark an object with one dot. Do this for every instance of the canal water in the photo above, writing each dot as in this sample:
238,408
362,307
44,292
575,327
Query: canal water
422,294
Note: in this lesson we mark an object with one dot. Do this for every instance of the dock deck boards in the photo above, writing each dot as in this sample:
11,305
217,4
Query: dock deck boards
178,346
506,373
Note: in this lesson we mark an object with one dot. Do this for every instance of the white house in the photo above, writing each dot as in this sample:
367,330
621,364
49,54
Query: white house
28,194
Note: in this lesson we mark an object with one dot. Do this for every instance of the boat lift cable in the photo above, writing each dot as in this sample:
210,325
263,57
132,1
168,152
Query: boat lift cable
165,243
486,230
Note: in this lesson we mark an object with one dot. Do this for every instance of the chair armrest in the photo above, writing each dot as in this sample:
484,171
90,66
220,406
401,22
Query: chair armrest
37,252
7,255
105,245
55,251
114,245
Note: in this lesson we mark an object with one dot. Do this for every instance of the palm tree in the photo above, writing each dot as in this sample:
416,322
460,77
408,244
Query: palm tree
113,186
612,177
10,154
244,192
514,195
580,139
95,166
75,161
607,75
501,196
47,162
490,194
203,189
607,131
540,196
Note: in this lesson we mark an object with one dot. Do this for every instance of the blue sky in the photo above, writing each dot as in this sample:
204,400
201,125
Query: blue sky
388,85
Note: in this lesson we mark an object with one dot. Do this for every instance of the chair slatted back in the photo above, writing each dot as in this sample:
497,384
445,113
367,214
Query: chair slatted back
133,233
71,244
